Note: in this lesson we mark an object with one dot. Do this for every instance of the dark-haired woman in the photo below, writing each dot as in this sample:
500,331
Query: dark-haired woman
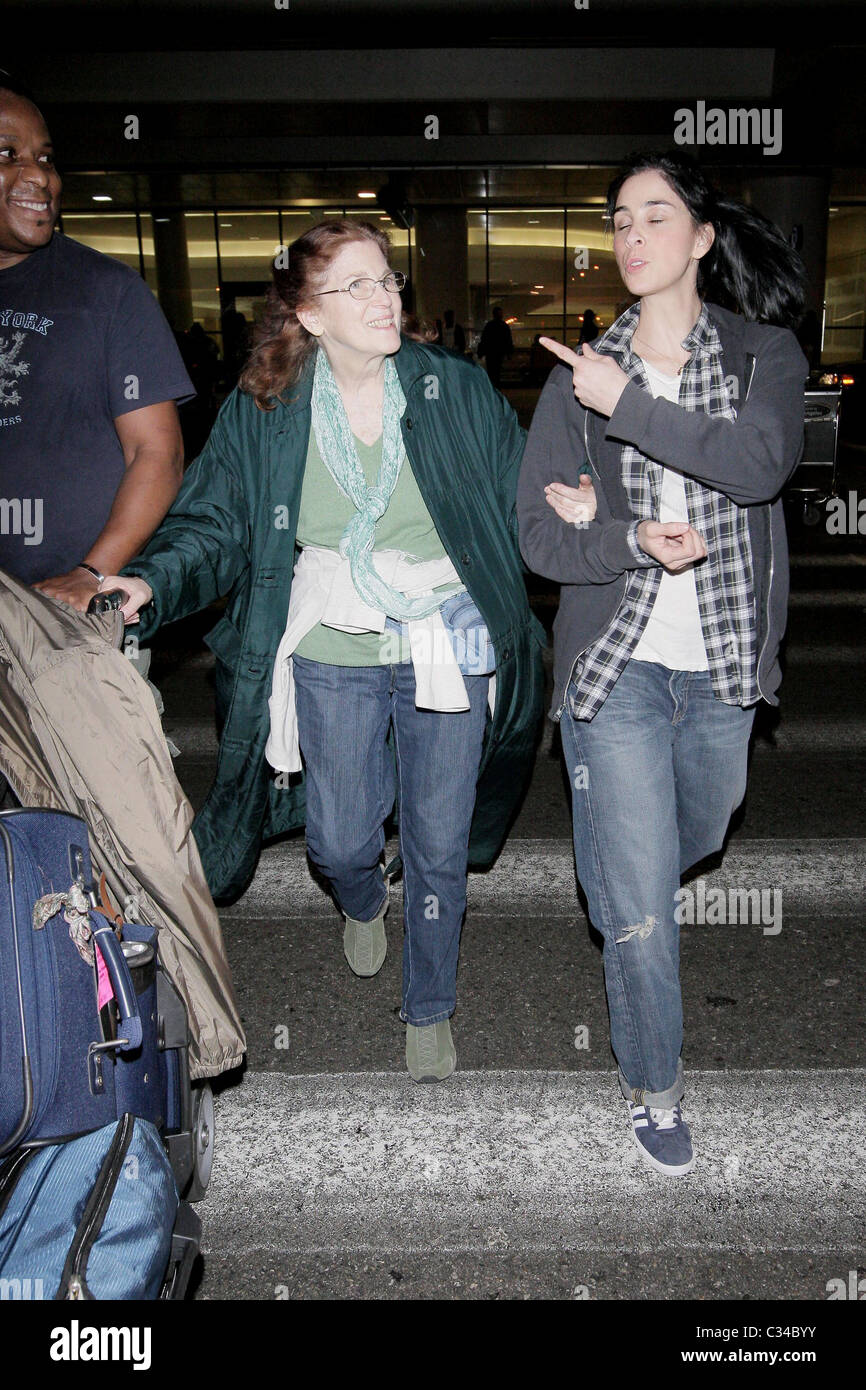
356,502
674,596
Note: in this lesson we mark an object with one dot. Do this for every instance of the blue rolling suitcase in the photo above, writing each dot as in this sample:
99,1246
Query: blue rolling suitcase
93,1075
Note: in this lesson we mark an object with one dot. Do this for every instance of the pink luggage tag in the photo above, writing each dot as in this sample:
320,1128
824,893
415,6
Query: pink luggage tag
105,989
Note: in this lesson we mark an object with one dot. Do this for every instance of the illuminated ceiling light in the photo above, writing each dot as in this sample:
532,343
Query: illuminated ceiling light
102,198
162,219
595,267
225,224
366,195
539,287
533,221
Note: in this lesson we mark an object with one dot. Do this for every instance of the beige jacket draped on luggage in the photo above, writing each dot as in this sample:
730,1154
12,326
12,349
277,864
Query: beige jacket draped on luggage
79,732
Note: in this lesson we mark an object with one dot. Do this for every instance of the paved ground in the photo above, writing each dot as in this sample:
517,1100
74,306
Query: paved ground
336,1177
512,1184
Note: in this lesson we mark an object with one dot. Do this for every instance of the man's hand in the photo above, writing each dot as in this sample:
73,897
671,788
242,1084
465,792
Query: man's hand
574,504
75,588
675,544
599,381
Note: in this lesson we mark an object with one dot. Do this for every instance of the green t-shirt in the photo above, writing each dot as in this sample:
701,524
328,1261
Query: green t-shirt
406,525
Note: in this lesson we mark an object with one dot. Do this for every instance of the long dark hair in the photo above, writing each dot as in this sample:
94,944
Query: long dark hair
750,267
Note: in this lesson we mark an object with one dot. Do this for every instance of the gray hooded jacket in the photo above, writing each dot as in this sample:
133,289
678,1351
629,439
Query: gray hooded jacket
748,459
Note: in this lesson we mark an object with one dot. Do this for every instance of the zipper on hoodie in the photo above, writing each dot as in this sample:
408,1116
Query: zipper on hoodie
769,594
73,1281
772,552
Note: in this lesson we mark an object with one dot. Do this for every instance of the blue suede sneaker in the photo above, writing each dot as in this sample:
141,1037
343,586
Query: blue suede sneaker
663,1138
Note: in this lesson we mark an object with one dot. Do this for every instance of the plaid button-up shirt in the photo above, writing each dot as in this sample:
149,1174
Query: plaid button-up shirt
723,581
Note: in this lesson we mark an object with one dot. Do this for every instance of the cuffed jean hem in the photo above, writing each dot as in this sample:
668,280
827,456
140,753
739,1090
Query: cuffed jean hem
663,1100
427,1022
382,910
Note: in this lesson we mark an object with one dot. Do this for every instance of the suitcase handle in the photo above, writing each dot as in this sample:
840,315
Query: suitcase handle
115,960
105,601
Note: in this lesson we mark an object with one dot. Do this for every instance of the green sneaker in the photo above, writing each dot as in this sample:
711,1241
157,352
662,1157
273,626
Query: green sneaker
365,945
430,1052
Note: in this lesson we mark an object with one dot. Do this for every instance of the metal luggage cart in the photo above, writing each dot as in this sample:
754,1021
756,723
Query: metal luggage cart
814,480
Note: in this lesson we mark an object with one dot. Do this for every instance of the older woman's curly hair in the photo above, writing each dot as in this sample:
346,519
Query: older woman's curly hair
282,346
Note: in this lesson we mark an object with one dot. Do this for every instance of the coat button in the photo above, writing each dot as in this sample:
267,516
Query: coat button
466,558
506,652
408,424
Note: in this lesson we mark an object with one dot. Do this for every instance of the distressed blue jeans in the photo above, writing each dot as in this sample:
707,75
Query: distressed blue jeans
655,777
343,718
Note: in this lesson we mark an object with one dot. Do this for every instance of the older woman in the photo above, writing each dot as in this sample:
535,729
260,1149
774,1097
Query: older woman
356,501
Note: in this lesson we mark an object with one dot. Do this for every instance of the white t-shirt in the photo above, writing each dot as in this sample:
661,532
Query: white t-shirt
673,637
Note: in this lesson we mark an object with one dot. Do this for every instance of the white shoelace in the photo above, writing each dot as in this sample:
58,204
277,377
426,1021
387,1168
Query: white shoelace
664,1119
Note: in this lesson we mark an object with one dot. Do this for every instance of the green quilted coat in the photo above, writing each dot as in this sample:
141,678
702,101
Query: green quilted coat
231,531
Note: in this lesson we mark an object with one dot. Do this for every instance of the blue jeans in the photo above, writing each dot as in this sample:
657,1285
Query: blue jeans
343,718
655,777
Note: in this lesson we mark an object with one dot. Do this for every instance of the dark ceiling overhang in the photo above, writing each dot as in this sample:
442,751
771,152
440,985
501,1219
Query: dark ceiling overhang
91,25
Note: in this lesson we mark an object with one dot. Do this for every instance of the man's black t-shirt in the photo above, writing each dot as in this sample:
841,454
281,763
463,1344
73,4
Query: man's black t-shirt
82,340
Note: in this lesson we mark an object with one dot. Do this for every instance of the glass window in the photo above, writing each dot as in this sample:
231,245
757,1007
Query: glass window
248,243
476,237
296,221
526,270
203,273
593,279
845,288
115,234
147,249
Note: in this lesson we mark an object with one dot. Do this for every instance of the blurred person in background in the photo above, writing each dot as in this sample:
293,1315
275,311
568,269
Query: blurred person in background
495,345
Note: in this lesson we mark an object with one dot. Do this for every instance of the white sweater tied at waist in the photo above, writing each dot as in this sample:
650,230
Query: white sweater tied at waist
323,592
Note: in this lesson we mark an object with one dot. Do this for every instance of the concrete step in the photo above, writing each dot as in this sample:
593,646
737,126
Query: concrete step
535,878
827,598
195,736
530,1165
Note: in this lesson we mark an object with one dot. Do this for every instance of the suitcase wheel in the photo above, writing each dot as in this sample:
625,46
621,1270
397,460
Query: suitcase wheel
203,1140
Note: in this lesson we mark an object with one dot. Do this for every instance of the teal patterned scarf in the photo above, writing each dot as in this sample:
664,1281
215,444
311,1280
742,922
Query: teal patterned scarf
337,447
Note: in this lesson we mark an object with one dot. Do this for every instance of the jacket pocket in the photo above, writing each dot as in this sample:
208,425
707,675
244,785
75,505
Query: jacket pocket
224,641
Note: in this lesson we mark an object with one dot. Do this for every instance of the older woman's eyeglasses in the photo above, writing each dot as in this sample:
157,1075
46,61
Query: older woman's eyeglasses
365,288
